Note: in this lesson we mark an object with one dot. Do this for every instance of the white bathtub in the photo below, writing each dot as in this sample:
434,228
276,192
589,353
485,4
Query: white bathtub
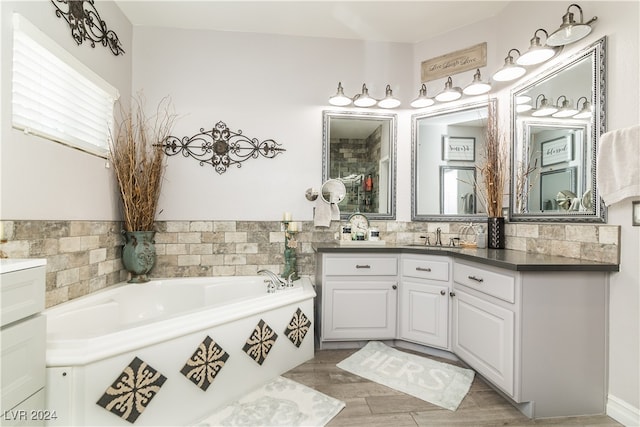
91,340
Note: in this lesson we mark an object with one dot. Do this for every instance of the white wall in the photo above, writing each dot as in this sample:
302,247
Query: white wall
270,87
41,179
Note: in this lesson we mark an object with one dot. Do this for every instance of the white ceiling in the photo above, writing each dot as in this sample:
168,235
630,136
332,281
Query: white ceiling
392,21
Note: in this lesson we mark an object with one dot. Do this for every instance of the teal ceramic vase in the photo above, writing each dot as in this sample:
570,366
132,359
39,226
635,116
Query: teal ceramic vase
139,254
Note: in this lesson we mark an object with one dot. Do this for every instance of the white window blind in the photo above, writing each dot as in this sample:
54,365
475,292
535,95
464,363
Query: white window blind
57,97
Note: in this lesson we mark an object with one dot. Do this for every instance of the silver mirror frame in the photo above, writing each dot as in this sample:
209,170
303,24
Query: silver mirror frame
597,128
326,117
415,216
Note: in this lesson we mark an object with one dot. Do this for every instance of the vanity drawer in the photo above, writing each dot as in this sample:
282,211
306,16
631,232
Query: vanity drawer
426,268
361,266
490,282
22,294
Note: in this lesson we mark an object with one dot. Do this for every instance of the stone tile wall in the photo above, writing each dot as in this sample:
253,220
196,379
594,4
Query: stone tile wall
85,256
82,256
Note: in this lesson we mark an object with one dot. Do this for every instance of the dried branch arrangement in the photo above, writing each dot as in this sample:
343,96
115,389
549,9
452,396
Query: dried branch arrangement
493,166
525,180
138,162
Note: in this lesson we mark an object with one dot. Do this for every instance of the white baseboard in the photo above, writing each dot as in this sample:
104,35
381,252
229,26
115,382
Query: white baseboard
623,412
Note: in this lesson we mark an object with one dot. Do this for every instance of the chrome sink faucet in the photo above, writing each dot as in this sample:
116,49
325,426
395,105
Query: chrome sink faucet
438,237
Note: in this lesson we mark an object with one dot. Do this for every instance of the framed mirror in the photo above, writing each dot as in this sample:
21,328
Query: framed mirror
553,167
444,153
359,149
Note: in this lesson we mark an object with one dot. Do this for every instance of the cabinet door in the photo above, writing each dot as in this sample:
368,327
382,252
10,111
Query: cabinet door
424,313
483,336
359,309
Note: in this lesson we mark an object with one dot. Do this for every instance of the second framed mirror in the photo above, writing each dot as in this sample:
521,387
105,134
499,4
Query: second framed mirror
445,152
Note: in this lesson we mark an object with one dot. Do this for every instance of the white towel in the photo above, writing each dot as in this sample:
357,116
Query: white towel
325,213
618,172
335,212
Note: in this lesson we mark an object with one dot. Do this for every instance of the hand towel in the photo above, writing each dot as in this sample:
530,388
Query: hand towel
323,213
335,212
618,171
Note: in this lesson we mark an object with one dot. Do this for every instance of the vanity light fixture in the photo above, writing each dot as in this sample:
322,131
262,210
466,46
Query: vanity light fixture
570,31
545,109
477,86
363,99
521,108
565,109
537,52
422,100
523,103
586,111
449,93
510,70
389,101
340,99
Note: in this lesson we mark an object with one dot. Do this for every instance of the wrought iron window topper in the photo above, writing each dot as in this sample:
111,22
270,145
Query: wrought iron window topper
85,23
220,147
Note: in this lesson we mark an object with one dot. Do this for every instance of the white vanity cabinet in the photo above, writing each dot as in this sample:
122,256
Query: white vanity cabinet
484,322
539,336
424,299
357,296
23,338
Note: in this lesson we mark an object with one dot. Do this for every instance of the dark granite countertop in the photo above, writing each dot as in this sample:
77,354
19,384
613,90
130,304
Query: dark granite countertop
503,258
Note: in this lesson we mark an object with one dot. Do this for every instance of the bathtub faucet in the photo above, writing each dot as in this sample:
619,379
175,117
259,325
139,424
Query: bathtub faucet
275,281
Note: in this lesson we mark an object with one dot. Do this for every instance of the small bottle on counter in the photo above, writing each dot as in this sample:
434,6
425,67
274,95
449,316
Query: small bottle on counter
346,232
481,238
374,234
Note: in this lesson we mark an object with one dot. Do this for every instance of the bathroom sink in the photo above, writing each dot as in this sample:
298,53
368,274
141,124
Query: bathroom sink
422,245
362,242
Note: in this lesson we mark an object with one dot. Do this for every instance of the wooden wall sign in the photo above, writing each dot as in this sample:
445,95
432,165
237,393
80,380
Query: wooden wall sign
455,62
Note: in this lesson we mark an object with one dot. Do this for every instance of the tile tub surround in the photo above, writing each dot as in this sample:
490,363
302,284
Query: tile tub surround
84,256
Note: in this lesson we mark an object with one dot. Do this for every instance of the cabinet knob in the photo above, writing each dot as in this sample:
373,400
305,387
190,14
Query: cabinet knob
452,294
394,287
443,292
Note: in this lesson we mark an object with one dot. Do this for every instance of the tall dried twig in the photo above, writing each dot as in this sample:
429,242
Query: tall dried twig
525,181
493,166
138,160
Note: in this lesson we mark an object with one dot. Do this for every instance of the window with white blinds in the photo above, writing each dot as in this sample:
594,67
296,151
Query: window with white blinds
56,96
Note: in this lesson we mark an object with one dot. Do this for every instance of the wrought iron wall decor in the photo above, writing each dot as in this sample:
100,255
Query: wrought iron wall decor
85,23
220,147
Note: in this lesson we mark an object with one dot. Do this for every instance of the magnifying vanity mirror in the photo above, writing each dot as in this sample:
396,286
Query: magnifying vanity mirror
359,150
553,165
333,191
445,146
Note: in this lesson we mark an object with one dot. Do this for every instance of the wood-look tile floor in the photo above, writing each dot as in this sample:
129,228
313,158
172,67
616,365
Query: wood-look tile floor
370,404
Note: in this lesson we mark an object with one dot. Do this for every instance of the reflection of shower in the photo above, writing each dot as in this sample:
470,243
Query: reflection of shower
353,183
468,203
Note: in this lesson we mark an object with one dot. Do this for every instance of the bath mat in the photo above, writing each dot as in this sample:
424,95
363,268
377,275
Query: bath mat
439,383
282,402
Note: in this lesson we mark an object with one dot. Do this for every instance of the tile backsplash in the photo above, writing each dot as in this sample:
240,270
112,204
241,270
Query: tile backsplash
85,256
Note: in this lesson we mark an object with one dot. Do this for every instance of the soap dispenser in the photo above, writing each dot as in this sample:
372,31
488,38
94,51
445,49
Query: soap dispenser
481,238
